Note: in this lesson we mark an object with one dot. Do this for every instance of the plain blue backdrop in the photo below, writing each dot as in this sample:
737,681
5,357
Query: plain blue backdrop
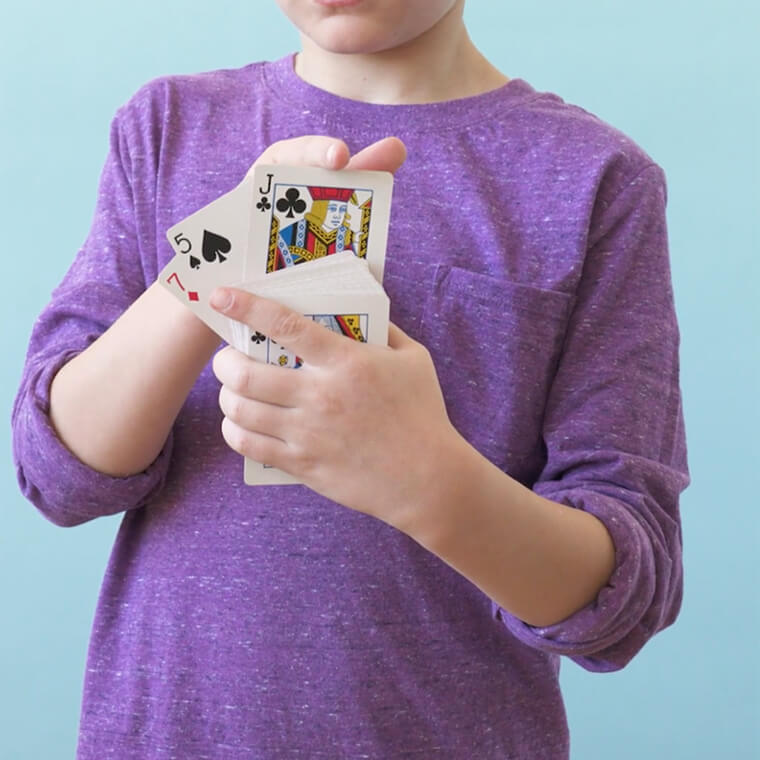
679,77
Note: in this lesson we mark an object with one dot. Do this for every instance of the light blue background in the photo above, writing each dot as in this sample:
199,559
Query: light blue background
678,77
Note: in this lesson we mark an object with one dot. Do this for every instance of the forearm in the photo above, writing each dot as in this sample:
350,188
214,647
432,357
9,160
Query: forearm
114,404
539,560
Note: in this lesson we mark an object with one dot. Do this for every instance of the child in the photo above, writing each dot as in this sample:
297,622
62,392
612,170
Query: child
496,488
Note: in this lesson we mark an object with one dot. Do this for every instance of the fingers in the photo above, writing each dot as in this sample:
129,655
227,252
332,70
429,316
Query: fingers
385,155
257,401
311,150
314,343
247,378
254,416
257,446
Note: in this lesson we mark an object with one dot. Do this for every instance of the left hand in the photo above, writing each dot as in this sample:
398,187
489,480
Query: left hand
361,424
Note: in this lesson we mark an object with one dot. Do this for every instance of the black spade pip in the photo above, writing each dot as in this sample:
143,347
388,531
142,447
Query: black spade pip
215,247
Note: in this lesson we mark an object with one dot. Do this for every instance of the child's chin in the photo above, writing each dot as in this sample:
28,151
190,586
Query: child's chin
346,39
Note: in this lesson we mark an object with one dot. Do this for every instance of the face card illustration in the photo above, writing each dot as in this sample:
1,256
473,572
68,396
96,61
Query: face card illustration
303,213
210,249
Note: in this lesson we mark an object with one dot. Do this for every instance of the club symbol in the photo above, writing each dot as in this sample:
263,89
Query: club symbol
263,204
213,247
291,202
258,337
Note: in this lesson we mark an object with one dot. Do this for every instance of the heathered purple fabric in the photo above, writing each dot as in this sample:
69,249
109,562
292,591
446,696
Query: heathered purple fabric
528,251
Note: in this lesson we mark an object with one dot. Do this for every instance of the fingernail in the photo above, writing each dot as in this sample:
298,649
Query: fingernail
221,299
331,154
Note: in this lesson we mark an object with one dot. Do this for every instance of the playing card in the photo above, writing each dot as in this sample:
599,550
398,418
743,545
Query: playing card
301,214
356,316
210,250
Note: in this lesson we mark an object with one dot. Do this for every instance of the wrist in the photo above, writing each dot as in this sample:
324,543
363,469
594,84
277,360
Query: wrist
181,319
446,478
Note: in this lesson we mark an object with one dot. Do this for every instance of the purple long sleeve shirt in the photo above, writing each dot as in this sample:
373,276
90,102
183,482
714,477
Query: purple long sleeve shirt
528,251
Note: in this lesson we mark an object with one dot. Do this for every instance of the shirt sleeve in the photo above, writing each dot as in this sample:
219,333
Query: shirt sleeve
107,275
614,430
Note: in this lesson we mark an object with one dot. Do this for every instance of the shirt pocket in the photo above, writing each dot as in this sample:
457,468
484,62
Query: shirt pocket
496,345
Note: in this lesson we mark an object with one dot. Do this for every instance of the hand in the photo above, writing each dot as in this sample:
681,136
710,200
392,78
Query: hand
361,424
330,153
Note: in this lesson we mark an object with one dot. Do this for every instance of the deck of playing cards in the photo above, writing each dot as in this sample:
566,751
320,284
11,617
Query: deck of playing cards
309,238
340,293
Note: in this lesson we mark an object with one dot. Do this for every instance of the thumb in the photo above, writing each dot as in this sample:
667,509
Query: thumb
384,155
289,328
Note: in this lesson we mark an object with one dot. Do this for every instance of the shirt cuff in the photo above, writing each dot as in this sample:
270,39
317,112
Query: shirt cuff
64,489
606,633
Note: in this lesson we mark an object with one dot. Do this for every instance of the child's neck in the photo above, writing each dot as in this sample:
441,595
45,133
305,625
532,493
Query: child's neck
426,70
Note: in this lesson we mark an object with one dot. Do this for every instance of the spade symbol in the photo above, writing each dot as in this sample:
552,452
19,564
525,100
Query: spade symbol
213,247
194,263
